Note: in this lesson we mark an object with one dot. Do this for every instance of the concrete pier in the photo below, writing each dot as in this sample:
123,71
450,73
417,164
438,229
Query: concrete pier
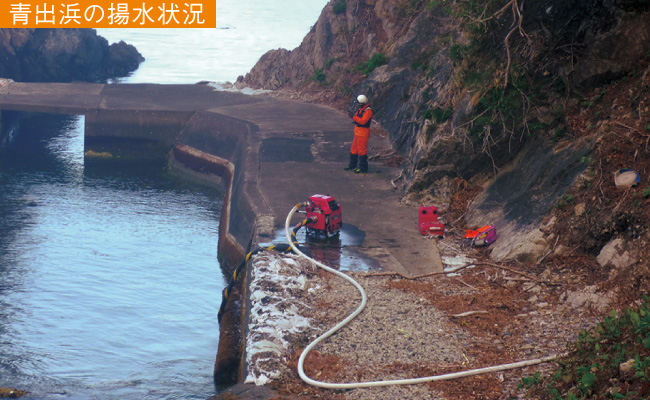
269,154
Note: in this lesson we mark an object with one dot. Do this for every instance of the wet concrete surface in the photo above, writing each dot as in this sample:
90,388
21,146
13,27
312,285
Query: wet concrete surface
342,251
368,202
286,150
303,149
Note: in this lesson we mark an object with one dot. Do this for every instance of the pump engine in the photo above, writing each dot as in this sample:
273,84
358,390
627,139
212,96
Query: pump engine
325,214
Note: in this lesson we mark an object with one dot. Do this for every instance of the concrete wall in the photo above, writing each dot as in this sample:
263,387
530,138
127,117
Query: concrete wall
133,133
160,122
219,148
213,145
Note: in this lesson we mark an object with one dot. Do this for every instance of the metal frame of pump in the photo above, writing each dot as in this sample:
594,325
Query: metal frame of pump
325,216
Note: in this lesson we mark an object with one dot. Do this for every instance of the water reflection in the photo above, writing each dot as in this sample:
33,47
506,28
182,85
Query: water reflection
341,252
109,280
68,148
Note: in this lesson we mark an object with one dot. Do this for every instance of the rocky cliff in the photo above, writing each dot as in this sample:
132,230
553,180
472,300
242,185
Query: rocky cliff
481,99
63,55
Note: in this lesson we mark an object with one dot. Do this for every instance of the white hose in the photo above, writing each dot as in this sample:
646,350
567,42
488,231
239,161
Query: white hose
364,300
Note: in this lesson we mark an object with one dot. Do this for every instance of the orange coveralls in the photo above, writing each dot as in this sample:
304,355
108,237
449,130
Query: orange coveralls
362,119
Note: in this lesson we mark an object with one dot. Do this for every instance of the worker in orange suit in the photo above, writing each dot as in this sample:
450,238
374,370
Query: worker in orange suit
359,150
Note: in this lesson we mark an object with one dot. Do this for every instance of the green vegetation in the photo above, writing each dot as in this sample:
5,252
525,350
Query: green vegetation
612,361
445,4
510,83
475,80
331,61
423,61
477,7
377,60
528,381
346,90
457,52
407,8
536,126
339,7
565,201
559,133
439,115
500,109
319,76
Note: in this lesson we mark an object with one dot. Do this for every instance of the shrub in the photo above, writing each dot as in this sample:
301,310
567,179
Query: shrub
457,52
319,76
339,7
377,60
439,115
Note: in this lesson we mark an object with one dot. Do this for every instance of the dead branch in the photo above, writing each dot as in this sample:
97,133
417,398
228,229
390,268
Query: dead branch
507,278
400,176
492,265
466,284
468,313
632,129
498,13
506,41
383,155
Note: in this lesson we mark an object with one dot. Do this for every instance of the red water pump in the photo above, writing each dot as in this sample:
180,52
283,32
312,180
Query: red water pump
429,224
325,213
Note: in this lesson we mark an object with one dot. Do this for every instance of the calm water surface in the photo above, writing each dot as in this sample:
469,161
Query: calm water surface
109,280
109,276
245,31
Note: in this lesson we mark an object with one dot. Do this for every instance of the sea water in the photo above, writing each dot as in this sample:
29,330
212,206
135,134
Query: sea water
109,279
245,31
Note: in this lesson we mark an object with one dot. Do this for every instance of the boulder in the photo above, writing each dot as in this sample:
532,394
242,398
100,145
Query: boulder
63,55
615,254
589,297
613,54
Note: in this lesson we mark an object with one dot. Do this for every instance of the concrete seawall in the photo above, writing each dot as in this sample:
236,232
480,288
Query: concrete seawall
159,121
268,155
169,121
216,145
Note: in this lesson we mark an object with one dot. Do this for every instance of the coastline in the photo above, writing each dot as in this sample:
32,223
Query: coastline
269,154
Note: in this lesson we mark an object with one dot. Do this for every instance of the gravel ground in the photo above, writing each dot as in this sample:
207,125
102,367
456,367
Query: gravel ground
409,329
397,330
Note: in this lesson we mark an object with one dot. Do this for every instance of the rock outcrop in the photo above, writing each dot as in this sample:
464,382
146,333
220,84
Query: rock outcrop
477,95
63,55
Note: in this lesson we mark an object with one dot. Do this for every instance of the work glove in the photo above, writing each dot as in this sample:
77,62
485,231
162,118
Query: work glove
350,114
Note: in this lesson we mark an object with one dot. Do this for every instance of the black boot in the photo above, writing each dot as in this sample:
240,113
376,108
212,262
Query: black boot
354,158
363,164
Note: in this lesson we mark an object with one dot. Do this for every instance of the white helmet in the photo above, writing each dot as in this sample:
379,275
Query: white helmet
361,99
